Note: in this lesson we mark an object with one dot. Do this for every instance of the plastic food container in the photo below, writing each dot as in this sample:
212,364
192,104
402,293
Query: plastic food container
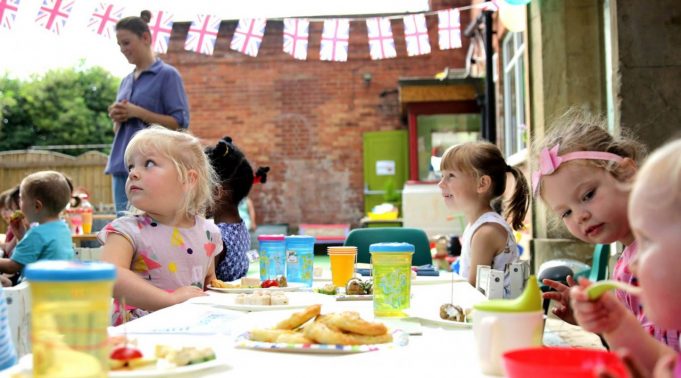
299,259
391,264
272,256
71,306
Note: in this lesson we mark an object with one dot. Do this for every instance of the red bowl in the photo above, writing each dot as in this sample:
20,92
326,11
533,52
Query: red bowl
561,363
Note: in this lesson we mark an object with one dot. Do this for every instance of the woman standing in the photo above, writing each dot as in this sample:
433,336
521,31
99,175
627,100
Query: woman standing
152,94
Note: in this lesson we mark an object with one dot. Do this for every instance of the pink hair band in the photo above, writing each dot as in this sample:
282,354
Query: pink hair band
549,161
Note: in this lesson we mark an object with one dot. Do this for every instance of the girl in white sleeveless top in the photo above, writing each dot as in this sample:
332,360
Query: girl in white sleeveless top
473,175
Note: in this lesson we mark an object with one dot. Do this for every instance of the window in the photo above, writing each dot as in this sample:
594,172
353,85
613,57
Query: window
515,129
436,133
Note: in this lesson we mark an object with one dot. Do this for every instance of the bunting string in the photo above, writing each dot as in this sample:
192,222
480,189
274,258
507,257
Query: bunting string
53,15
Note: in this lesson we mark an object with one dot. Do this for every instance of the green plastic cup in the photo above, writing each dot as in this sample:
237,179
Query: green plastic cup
391,264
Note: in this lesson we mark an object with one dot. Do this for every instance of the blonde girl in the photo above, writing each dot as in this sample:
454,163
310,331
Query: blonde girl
473,176
584,178
165,250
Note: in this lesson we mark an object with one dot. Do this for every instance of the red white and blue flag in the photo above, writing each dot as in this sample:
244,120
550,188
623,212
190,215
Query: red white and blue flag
202,34
103,20
248,36
8,13
53,14
296,34
335,39
161,26
449,29
416,35
381,42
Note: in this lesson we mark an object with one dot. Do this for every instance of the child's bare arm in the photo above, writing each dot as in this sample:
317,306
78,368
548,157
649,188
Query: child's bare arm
9,266
137,291
210,274
617,324
489,239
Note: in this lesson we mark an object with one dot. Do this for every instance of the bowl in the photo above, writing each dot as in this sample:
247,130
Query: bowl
561,363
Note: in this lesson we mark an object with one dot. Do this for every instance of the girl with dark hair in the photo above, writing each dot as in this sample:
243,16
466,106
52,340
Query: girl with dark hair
236,178
152,94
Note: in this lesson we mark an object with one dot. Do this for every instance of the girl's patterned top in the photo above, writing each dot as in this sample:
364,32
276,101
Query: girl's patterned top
237,241
622,273
168,257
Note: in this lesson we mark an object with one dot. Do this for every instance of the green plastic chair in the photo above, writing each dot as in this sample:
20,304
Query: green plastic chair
362,238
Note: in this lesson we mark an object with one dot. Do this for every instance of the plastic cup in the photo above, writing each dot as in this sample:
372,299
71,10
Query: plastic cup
272,256
299,259
75,218
87,220
71,304
342,264
391,264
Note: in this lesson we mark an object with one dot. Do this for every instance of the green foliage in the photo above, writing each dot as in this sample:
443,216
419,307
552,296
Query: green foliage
391,194
67,106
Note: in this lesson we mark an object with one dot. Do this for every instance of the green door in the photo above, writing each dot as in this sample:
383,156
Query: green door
386,163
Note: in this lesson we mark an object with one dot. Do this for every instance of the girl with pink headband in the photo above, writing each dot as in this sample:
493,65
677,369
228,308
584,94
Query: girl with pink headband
584,177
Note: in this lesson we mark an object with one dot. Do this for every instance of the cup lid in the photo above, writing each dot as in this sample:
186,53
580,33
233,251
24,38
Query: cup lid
391,247
300,239
278,237
61,270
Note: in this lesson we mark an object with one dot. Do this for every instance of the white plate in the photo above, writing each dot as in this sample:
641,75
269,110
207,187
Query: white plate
292,286
399,339
296,300
26,368
442,322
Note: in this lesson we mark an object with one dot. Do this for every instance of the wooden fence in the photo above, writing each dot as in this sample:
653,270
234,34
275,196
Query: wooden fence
86,170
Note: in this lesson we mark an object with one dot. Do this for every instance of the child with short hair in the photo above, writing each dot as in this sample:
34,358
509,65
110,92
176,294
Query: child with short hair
236,179
655,205
473,176
43,195
584,177
164,253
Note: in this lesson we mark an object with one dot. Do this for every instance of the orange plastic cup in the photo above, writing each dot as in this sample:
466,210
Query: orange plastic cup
87,220
342,264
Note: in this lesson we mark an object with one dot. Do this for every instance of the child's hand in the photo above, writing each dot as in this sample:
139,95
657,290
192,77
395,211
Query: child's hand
562,296
665,367
603,315
186,292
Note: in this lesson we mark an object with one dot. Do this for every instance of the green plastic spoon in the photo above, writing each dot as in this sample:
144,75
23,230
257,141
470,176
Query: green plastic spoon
599,288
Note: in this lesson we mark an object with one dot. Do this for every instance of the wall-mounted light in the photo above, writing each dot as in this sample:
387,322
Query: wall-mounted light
366,77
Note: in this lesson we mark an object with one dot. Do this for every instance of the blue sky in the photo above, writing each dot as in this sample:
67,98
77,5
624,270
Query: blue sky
28,49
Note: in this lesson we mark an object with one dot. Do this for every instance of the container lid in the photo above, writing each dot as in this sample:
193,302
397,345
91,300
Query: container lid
58,270
278,237
391,247
300,239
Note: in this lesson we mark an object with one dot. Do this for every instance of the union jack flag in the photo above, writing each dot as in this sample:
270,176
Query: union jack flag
8,13
202,35
416,35
248,36
161,26
381,42
296,33
449,29
53,14
103,20
335,39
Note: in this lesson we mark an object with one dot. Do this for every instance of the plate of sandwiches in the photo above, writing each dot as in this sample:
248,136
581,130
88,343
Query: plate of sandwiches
249,285
309,331
259,300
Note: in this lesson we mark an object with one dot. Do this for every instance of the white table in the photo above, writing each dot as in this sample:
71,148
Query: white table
437,352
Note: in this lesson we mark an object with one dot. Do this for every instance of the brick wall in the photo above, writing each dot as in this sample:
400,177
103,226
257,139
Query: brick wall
304,119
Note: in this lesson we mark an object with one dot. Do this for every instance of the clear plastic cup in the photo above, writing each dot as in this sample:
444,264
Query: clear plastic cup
8,355
71,304
272,256
391,264
75,218
343,261
87,220
300,259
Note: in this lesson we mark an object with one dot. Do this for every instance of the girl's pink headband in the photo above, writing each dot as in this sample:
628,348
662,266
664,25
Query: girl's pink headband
549,161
